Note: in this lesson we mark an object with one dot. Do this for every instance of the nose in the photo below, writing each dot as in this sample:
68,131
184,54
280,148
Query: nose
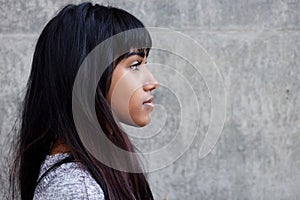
151,82
149,86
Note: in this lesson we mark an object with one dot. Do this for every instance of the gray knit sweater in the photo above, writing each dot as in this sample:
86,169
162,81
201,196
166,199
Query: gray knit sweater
68,181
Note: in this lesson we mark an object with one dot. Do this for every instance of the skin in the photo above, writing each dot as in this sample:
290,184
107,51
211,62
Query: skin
130,88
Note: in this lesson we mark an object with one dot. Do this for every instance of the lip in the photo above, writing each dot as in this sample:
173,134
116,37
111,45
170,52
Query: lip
149,102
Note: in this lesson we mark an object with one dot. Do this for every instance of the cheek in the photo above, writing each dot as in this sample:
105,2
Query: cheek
134,106
124,98
122,87
139,115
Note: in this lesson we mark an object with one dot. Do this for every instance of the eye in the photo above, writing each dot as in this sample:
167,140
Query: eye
135,65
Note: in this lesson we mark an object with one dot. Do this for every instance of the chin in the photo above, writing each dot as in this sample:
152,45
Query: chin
139,122
135,120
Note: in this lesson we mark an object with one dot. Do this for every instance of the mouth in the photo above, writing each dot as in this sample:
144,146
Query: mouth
149,102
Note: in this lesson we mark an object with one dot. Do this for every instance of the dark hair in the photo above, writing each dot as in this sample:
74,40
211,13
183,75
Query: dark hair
47,108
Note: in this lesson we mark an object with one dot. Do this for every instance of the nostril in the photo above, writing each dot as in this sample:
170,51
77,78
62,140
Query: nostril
155,84
151,86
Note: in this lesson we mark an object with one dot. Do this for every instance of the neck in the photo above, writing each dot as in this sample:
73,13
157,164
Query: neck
59,147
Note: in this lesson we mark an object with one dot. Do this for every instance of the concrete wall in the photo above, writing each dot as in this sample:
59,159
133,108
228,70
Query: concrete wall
255,45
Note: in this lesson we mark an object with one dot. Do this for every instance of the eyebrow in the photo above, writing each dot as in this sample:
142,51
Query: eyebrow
133,53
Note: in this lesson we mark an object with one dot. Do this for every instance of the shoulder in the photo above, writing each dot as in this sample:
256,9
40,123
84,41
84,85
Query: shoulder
68,181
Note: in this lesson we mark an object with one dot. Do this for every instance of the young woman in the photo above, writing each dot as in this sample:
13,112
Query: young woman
51,161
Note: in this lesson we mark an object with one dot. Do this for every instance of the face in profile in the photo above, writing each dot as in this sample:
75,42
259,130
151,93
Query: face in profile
130,91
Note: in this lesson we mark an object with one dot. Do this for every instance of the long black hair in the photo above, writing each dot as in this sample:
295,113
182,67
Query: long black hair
47,108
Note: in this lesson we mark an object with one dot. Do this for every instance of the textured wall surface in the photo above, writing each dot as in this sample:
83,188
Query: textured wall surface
255,45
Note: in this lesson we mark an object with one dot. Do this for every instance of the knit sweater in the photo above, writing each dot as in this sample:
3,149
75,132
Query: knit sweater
68,181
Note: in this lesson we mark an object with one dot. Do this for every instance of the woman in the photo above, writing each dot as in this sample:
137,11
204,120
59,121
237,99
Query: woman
52,162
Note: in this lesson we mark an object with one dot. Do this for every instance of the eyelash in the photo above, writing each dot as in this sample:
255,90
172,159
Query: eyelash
135,66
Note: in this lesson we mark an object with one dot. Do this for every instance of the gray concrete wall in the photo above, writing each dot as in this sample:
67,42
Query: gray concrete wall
255,45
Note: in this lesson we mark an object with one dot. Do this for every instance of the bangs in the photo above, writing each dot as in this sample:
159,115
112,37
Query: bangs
137,39
123,33
129,34
129,42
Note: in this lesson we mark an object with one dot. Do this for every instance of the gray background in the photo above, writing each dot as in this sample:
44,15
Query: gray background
255,45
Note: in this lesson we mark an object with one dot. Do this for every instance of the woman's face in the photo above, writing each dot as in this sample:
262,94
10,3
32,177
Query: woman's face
130,91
